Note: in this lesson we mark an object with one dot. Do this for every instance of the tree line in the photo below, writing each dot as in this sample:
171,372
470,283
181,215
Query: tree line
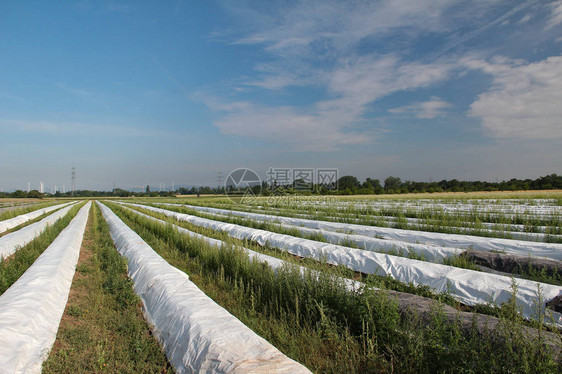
346,185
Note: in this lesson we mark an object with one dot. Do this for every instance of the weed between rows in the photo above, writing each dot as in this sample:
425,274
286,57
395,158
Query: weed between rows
460,261
102,329
19,211
435,220
28,223
14,266
373,280
318,322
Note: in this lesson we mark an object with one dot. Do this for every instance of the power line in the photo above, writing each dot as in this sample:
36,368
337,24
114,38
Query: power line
73,180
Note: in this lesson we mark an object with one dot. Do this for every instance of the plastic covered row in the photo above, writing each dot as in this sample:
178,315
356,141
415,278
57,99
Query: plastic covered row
196,334
23,218
515,231
468,286
274,262
515,247
11,242
31,309
429,252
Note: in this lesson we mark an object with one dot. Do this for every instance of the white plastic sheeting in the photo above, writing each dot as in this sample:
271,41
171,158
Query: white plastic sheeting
516,247
11,242
196,334
468,286
31,309
274,262
23,218
516,231
429,252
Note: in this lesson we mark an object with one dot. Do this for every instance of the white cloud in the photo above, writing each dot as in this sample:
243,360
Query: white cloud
81,129
305,35
318,44
428,109
321,45
524,100
556,14
325,124
526,18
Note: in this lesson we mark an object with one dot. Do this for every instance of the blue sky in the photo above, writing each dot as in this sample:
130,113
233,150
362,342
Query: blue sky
137,93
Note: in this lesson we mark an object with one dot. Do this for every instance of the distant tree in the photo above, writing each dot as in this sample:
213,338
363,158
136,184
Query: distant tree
147,189
392,184
348,182
19,194
34,194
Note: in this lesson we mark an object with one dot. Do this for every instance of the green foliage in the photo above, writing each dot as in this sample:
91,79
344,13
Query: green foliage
316,320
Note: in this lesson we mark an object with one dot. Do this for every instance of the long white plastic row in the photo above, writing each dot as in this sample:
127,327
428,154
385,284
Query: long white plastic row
516,247
430,253
23,218
11,242
196,334
517,231
31,309
468,286
274,262
452,207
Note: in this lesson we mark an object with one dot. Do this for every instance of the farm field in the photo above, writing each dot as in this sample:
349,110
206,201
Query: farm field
288,285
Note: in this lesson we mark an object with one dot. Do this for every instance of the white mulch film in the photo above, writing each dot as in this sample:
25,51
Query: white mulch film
274,262
515,247
429,252
13,241
468,286
516,231
196,334
9,224
31,309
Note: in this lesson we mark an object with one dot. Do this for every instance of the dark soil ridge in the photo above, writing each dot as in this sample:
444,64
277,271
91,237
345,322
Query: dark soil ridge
485,325
514,263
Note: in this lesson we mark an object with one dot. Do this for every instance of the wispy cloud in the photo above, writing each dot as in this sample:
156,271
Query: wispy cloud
335,121
524,100
76,92
80,129
320,44
342,50
428,109
556,14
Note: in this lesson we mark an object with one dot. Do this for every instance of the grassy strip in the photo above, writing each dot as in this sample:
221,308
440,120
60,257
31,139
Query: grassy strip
102,329
14,266
322,325
17,212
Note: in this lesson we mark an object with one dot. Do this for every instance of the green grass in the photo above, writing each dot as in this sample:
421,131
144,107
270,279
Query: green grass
318,322
19,211
14,266
28,223
103,330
